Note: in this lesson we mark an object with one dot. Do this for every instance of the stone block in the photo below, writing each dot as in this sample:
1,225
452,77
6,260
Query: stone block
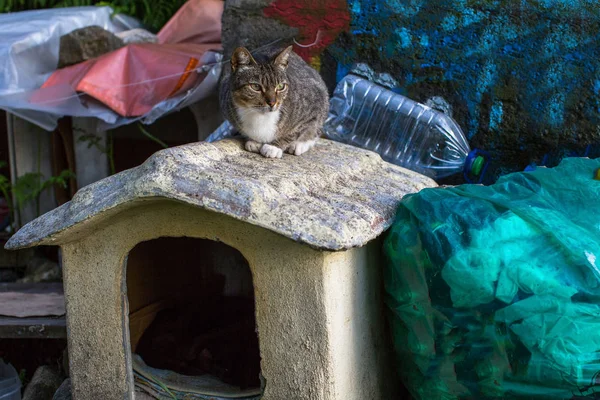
86,43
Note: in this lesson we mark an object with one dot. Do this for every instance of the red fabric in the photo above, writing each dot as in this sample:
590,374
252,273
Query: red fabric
331,17
195,22
135,78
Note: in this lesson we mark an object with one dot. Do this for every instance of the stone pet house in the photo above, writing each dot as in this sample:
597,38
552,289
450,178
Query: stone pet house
307,227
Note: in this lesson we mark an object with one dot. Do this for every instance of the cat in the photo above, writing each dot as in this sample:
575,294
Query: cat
276,101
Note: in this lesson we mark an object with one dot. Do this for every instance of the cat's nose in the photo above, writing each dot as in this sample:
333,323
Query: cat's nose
271,103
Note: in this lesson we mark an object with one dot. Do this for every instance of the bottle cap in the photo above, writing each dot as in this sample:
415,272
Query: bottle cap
476,164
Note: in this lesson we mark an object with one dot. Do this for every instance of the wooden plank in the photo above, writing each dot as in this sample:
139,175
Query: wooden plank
34,300
37,327
34,287
63,158
33,328
90,151
32,154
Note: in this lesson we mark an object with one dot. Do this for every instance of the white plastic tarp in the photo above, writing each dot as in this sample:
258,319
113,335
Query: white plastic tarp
30,41
29,52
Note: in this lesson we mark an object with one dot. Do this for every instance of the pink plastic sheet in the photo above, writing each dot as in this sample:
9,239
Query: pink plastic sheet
197,21
135,78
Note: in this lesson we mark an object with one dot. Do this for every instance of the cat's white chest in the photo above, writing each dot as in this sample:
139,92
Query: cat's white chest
258,126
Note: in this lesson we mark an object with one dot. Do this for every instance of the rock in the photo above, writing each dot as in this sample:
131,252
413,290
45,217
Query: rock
40,269
440,104
86,43
137,36
381,78
64,391
333,197
43,385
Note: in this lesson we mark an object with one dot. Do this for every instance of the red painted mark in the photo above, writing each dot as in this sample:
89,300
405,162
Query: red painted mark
331,17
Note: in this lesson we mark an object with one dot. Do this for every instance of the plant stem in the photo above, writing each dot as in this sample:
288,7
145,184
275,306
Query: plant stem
39,171
110,151
152,137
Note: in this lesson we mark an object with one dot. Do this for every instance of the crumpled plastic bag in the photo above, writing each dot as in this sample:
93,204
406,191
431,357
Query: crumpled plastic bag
494,292
135,78
137,82
30,41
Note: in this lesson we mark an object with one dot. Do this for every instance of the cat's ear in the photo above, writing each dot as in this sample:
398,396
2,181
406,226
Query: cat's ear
241,57
283,58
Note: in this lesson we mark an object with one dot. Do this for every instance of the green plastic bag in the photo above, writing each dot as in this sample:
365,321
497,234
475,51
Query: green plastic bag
494,292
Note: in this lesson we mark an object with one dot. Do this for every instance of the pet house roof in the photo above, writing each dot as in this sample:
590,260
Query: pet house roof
334,197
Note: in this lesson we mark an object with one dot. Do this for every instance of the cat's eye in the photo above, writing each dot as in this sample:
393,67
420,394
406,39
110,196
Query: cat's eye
281,86
255,87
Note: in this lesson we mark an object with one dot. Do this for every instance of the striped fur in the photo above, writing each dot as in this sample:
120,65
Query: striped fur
274,98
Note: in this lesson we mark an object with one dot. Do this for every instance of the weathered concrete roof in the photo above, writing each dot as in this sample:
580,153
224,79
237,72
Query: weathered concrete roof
333,197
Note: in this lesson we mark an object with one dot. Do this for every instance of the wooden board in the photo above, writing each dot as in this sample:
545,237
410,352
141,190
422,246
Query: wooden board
33,328
32,311
32,300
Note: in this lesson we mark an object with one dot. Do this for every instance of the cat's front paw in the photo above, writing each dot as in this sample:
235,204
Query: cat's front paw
270,151
298,148
252,146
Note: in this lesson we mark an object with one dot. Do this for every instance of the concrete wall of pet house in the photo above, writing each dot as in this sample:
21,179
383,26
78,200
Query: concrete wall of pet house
522,76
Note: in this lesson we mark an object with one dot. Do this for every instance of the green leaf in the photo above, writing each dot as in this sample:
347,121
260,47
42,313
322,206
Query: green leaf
30,186
27,188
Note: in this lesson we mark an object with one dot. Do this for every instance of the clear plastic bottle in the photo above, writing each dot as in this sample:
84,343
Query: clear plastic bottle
404,132
10,384
224,131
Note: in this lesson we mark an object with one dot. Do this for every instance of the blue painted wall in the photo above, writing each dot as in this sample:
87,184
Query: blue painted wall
523,77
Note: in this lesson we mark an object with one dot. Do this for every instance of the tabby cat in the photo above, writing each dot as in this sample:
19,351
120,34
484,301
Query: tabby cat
276,101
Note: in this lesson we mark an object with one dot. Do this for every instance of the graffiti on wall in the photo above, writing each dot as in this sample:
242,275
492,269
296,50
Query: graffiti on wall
319,23
523,75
